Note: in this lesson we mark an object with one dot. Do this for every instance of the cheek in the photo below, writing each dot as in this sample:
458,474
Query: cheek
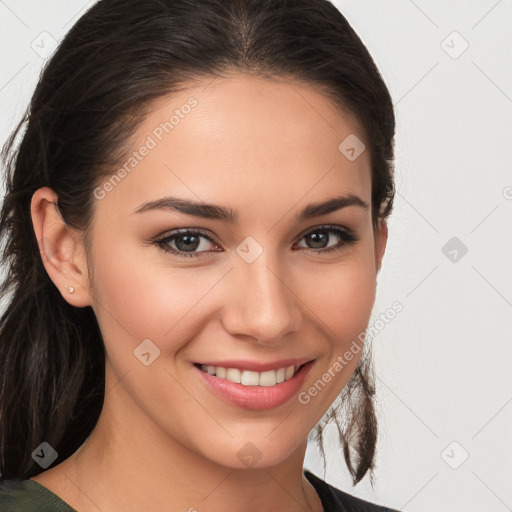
139,296
351,311
342,296
343,301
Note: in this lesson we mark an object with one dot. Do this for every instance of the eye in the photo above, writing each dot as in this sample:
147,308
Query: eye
319,237
187,241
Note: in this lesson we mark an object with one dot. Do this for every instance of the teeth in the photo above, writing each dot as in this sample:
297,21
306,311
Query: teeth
233,375
250,378
268,378
289,372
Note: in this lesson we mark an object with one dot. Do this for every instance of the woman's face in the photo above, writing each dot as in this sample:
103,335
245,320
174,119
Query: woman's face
245,294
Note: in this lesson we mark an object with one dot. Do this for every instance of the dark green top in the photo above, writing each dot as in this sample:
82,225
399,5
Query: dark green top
31,496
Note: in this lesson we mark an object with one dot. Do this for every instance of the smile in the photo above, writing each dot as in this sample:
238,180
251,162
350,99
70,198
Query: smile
251,378
251,389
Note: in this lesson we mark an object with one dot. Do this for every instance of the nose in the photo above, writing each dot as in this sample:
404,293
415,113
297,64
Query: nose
265,305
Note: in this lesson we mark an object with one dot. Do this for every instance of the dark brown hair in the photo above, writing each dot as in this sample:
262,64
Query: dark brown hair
91,96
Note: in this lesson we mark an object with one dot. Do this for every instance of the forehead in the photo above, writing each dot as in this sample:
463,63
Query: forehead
241,140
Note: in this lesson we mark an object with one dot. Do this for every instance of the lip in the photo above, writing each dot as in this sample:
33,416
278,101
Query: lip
257,398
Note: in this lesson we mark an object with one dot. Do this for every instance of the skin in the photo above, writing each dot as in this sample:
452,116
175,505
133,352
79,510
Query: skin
163,440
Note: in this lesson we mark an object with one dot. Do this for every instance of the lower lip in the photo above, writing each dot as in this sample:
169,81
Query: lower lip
256,397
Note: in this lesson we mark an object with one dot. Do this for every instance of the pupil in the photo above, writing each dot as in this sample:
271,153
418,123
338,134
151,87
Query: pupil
187,243
317,238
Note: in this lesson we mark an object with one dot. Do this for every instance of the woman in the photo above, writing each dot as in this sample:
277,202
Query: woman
194,221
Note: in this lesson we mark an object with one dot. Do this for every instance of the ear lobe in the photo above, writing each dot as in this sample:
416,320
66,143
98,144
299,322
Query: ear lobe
60,248
381,239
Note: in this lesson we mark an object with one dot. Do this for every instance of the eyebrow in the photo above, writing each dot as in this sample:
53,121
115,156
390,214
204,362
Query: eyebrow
215,212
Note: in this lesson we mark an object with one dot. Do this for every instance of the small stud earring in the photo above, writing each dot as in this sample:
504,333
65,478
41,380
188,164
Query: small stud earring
70,289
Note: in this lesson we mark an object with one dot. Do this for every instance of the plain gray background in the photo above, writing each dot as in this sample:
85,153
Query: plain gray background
443,364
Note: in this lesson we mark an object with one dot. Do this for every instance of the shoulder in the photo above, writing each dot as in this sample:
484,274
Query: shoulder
29,496
334,500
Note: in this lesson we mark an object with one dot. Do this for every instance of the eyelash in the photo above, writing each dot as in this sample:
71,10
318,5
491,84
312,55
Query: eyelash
347,236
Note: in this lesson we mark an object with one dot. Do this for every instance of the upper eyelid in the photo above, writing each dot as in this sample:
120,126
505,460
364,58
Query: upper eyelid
326,226
183,231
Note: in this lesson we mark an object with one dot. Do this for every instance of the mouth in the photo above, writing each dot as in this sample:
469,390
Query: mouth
251,389
252,378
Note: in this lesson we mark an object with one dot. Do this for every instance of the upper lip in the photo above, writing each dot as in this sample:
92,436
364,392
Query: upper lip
258,366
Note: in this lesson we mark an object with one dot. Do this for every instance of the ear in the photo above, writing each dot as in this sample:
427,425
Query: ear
61,248
381,239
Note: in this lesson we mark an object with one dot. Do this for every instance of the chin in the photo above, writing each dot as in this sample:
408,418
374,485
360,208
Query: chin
259,450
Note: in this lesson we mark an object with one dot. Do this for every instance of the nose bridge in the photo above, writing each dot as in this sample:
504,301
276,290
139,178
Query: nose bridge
264,305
